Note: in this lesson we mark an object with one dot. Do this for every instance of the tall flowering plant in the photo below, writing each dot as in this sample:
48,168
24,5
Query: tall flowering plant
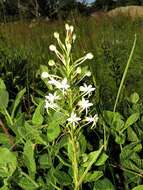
68,104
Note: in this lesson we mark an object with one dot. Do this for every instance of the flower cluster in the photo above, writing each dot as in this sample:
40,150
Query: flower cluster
64,83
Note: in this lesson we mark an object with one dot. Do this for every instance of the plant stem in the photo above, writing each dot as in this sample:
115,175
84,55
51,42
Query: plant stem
30,179
74,161
125,73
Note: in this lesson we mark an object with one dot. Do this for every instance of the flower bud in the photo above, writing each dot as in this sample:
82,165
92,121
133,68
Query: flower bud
45,75
88,74
56,35
71,29
89,56
74,37
51,63
68,46
52,47
78,70
67,27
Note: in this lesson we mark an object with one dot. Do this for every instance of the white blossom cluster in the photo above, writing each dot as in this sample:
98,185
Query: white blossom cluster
80,114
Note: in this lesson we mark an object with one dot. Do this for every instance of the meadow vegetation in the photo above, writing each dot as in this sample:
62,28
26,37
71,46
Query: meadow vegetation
58,126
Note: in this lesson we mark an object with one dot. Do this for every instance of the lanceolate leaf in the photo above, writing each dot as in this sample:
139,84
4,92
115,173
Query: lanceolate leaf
38,118
93,176
2,85
7,162
139,187
131,120
17,101
4,98
62,178
54,123
103,184
29,158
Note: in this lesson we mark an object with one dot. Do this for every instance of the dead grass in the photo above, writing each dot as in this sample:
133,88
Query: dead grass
131,11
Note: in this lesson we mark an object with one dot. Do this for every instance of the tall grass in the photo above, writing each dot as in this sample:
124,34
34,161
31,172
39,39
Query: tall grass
110,40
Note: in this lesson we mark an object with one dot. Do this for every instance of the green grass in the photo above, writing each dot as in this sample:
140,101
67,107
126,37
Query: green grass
110,41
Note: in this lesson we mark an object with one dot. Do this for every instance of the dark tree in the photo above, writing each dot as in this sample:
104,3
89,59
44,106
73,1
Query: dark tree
129,2
104,4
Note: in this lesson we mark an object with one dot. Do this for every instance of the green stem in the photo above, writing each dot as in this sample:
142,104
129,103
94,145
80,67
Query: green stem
55,186
74,161
125,73
30,179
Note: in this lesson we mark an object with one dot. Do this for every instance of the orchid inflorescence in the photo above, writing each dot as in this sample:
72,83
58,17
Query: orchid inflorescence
64,84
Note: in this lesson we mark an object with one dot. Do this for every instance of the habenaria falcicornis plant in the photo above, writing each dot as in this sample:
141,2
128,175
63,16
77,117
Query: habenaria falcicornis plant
69,112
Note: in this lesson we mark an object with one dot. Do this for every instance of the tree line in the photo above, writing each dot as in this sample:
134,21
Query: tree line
55,8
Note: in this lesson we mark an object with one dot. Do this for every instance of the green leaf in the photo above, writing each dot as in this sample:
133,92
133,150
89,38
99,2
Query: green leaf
139,187
7,162
132,136
29,158
44,161
62,178
103,184
93,176
101,160
24,183
4,98
38,118
93,158
17,101
134,98
54,123
28,132
82,143
2,85
131,160
120,138
131,120
5,187
114,120
4,140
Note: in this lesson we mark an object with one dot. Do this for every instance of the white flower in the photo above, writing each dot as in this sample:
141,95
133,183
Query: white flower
56,35
89,56
52,97
50,105
85,104
51,62
63,85
92,120
45,75
73,119
86,89
52,47
88,74
54,82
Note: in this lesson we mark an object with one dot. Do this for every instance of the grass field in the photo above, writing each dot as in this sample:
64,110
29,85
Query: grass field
109,39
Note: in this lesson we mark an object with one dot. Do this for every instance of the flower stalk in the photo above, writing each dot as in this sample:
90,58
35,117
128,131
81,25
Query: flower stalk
70,99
